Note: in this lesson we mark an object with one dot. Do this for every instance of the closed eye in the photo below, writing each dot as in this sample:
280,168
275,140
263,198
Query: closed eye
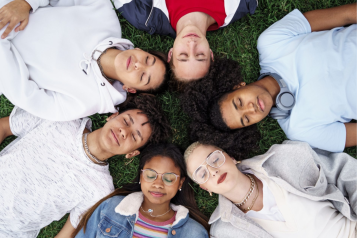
204,174
141,79
126,123
240,101
147,57
247,119
133,137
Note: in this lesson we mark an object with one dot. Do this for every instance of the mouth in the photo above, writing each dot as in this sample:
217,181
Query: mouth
115,137
191,35
260,104
156,194
128,63
222,178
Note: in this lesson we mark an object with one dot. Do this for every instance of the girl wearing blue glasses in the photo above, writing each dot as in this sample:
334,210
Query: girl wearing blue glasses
159,202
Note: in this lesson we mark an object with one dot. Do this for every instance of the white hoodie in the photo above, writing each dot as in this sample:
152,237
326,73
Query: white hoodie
49,69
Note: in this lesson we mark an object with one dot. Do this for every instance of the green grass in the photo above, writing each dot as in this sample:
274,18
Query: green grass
238,42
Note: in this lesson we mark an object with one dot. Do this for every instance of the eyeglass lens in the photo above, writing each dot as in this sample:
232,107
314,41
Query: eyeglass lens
215,160
151,175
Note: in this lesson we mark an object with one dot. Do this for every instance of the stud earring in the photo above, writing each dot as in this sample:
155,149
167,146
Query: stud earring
139,182
180,189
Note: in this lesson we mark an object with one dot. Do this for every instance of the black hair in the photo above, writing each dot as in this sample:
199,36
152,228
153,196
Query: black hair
164,84
151,107
185,197
201,101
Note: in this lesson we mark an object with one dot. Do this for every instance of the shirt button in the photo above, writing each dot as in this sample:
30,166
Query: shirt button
107,230
173,232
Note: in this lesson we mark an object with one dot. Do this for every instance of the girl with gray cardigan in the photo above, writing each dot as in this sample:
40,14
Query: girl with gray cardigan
290,191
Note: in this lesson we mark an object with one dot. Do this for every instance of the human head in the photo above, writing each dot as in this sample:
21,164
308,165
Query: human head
141,71
173,156
208,127
196,154
191,55
139,114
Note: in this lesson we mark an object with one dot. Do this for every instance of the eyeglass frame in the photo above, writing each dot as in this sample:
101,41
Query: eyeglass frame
193,174
157,174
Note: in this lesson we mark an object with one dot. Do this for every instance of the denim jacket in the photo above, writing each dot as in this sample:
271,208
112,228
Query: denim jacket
313,174
116,217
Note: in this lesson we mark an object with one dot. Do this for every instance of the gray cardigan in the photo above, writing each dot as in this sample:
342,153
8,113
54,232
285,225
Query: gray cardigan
314,174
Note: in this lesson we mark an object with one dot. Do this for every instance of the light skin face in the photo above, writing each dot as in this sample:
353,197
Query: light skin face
139,70
124,133
246,106
191,54
199,156
160,203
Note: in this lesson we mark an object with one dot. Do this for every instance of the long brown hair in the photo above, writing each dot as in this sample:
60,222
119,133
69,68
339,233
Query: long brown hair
185,197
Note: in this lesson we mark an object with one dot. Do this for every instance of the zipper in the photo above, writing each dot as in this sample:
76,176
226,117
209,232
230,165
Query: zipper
152,8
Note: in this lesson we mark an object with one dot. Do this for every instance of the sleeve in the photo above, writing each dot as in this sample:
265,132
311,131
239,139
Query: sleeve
35,4
291,25
340,170
22,122
331,137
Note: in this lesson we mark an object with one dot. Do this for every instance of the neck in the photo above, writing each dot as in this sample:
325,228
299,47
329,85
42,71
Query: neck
198,19
240,190
270,85
107,62
158,209
95,147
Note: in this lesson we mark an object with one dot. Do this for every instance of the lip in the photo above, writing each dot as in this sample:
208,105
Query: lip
156,194
128,63
191,35
115,137
222,178
260,104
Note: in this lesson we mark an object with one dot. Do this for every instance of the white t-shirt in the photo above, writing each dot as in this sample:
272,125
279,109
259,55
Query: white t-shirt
301,217
320,68
45,174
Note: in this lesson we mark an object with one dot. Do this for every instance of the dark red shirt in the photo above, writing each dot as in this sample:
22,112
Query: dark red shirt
214,8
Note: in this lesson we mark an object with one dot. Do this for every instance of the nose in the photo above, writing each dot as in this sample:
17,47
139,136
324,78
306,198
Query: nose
158,183
123,133
249,108
212,171
138,65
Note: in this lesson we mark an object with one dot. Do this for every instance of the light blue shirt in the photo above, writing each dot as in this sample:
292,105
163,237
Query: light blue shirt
320,68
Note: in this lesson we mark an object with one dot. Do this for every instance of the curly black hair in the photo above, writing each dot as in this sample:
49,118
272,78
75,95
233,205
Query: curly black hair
201,101
151,107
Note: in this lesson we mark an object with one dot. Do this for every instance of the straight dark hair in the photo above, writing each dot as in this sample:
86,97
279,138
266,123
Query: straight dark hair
185,197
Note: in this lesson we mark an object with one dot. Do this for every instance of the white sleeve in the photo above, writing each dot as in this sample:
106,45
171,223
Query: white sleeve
289,26
331,137
22,122
35,4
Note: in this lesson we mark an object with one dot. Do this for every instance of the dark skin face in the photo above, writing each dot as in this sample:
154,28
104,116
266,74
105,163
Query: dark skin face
157,195
249,104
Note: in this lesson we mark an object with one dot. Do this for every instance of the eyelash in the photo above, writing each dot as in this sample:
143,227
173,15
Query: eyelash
126,122
240,101
147,57
133,136
247,118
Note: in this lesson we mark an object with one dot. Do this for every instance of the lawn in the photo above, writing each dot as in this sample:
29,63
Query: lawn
237,41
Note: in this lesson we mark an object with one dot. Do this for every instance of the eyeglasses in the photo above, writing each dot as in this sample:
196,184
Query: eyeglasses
216,159
150,176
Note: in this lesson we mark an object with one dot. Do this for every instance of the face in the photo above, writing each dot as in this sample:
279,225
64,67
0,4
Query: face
157,192
126,132
221,180
139,70
245,106
191,54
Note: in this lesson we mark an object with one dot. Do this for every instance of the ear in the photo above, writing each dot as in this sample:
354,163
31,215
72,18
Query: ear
112,116
138,49
242,84
129,90
181,182
132,154
169,55
211,55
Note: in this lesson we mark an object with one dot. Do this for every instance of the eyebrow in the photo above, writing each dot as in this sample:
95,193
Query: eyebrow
209,154
131,119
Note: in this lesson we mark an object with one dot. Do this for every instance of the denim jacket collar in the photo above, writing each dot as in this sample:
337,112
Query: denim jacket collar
130,205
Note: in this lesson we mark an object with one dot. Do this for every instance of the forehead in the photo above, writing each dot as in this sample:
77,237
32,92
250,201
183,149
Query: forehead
198,156
192,69
162,164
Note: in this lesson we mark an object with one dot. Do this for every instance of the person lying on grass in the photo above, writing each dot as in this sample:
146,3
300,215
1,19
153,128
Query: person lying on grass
71,61
308,81
158,203
53,168
290,191
188,22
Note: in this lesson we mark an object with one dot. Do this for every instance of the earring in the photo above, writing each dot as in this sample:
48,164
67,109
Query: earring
210,193
237,162
139,182
180,189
